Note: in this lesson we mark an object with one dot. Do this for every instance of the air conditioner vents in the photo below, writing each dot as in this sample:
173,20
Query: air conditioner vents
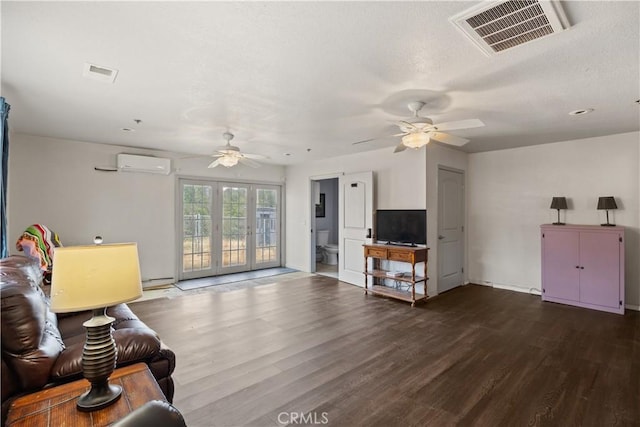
99,73
498,26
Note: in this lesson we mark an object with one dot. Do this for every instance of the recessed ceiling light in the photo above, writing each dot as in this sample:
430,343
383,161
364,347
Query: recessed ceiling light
581,112
128,130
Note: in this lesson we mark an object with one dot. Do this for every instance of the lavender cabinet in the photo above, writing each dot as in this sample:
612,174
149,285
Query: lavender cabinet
583,265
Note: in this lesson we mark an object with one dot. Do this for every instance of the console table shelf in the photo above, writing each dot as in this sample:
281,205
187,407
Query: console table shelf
383,275
408,254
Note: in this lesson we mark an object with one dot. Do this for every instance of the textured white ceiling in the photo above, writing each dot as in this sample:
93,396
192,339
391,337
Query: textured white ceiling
289,76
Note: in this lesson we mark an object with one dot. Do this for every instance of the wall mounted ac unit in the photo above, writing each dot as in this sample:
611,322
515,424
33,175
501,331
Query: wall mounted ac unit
144,164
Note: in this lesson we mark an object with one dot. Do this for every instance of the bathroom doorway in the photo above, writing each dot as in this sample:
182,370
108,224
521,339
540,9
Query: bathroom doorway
326,226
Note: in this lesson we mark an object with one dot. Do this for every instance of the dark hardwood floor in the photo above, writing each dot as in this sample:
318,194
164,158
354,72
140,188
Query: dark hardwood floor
474,356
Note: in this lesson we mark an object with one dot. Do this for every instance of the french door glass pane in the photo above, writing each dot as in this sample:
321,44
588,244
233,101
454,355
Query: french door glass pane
234,226
196,226
266,223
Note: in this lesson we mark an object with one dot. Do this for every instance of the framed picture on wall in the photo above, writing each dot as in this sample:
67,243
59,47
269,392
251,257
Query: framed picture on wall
320,207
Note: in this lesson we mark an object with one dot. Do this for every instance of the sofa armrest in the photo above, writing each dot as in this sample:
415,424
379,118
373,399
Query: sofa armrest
162,366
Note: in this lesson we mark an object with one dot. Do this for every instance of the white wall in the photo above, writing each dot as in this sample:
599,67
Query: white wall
398,179
509,193
53,182
438,155
406,180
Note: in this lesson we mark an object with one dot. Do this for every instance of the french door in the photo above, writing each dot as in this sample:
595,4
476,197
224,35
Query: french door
228,227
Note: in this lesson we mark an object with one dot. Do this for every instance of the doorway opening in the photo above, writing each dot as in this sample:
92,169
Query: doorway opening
326,235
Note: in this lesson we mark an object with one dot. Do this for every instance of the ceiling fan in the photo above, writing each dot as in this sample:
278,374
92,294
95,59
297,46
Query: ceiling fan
229,155
418,131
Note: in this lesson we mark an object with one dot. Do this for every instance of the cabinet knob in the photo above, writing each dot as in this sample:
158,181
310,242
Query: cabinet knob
577,266
581,268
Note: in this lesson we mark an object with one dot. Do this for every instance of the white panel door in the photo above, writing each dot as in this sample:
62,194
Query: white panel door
355,224
450,229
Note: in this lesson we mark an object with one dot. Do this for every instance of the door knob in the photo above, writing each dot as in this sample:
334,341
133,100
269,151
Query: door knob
440,237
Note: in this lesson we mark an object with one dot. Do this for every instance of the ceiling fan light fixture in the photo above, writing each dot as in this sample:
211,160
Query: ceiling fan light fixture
228,161
415,140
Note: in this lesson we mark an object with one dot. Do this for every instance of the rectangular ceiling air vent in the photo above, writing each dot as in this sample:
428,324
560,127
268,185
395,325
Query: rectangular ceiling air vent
99,73
501,25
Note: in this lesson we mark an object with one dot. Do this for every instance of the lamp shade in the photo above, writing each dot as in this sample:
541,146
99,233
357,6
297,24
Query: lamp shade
559,203
90,277
415,140
607,202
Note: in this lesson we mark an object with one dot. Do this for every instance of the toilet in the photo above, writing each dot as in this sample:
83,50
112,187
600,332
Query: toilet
330,251
331,254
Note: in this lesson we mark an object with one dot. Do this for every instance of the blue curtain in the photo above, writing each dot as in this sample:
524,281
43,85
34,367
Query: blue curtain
4,143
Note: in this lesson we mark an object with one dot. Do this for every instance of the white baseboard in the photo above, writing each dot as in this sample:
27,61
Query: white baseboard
632,307
157,283
531,291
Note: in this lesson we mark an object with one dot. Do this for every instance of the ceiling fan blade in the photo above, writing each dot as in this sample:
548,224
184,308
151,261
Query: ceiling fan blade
249,162
399,148
410,127
448,139
214,164
460,124
380,137
255,156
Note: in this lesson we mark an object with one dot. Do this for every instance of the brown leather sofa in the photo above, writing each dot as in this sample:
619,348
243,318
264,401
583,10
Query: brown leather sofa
42,349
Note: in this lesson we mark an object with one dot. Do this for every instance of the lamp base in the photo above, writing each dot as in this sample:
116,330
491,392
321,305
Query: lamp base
558,223
98,362
608,225
98,397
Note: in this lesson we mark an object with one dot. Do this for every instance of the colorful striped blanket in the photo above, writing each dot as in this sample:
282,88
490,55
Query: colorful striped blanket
38,242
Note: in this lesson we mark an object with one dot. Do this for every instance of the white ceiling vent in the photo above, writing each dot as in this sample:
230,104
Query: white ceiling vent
496,26
99,73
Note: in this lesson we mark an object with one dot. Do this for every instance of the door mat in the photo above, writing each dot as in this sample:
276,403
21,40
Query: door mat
187,285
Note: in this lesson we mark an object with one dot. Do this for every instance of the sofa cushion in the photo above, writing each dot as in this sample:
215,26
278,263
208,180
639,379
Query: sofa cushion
135,341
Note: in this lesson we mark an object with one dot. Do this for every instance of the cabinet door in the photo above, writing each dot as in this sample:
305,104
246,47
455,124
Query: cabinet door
560,275
600,278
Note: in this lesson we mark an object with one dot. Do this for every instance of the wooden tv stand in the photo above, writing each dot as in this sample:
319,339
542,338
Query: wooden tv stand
410,254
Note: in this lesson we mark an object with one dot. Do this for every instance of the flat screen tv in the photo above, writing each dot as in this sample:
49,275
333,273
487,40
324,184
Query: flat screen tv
401,226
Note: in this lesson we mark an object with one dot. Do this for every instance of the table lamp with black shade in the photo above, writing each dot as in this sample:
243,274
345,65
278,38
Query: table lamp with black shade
94,278
558,203
606,203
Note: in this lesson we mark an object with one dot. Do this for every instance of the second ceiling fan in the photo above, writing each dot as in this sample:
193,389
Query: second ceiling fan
230,155
418,131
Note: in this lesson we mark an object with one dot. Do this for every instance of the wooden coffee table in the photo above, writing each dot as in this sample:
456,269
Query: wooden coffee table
56,406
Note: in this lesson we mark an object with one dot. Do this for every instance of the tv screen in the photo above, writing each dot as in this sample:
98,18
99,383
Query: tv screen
402,226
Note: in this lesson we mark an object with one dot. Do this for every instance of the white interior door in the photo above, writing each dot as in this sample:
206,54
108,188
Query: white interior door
355,224
450,229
